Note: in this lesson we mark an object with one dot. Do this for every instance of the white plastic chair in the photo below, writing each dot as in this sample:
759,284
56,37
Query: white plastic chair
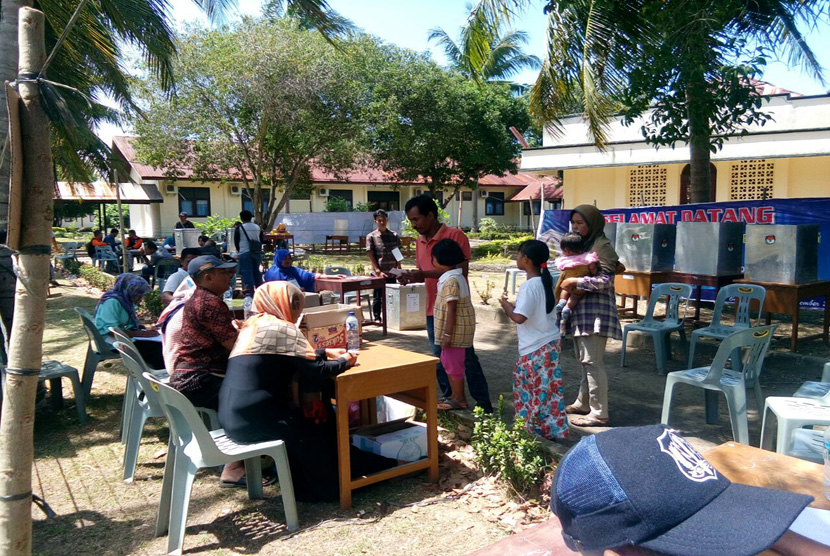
98,350
138,407
793,414
677,299
816,390
732,383
54,371
193,447
744,294
130,387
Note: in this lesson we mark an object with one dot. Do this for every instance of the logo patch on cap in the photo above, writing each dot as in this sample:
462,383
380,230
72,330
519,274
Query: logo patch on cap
688,460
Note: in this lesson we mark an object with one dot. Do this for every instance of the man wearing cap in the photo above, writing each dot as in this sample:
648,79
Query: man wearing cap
174,281
184,222
198,339
634,488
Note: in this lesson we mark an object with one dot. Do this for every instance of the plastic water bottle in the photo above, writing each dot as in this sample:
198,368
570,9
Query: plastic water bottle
247,306
827,463
352,333
227,296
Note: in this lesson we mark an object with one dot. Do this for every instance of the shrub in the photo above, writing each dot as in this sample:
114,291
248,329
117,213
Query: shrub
487,293
363,207
408,231
488,226
314,263
152,305
511,453
95,277
72,266
214,224
500,247
336,204
358,269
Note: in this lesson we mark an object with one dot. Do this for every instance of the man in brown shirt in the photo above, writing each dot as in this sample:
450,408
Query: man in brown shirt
379,246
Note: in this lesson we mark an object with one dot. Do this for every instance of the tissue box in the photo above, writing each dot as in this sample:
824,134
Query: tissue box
325,326
400,440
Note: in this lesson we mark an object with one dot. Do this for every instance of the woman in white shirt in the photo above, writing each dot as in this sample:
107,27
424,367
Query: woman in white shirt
537,379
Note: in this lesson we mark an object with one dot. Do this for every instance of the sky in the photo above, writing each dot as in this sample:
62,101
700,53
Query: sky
406,23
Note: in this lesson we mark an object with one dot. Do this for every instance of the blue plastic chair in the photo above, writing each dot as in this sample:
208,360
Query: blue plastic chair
744,294
106,258
192,447
676,299
98,350
731,382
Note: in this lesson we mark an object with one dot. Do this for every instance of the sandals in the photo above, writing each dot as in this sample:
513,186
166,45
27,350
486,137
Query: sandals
450,405
588,421
267,480
576,410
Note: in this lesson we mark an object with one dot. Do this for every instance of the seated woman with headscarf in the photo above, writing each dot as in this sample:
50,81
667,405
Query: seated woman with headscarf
272,367
117,308
282,270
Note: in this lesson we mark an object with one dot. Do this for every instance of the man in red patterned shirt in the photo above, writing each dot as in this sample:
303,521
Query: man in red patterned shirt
422,213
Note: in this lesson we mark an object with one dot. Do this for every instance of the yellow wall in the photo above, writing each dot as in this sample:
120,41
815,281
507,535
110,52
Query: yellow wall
608,187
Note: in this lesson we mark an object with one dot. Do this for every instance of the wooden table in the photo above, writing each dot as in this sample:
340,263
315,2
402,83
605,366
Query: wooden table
737,462
281,237
355,284
785,299
341,242
700,280
385,371
637,284
752,466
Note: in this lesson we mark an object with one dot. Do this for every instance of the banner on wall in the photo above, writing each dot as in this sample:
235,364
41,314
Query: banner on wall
815,210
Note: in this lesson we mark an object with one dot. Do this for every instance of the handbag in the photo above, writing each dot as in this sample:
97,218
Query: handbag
254,246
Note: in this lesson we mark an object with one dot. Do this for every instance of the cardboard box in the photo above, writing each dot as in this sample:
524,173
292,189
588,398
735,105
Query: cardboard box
401,440
325,326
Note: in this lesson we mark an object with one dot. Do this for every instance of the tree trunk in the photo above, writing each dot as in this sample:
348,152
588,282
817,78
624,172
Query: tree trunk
8,72
474,228
26,348
700,180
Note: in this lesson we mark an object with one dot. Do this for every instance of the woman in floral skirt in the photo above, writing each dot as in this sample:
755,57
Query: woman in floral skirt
537,379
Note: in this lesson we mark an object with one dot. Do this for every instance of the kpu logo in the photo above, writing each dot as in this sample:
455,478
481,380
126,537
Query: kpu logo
688,460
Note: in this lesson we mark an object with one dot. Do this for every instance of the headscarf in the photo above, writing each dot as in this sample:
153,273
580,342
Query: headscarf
127,286
277,272
180,296
596,241
271,330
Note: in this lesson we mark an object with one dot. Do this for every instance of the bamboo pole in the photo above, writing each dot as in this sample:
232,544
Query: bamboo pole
26,346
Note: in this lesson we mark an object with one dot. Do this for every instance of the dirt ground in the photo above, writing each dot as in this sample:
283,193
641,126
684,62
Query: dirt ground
77,467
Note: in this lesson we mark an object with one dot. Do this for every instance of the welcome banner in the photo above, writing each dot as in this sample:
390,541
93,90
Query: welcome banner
815,210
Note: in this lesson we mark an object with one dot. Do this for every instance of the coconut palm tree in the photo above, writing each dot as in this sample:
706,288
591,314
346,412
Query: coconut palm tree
484,52
690,61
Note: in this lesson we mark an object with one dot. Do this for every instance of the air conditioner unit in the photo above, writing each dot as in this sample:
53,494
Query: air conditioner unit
419,192
170,189
236,190
483,194
323,192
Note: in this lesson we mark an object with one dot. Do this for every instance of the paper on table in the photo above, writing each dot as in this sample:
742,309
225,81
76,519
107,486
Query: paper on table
397,254
813,523
413,302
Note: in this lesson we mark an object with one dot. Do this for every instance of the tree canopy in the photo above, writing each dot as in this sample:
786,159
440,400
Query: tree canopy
265,101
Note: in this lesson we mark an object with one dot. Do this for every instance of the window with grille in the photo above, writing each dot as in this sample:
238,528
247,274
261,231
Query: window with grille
751,179
647,186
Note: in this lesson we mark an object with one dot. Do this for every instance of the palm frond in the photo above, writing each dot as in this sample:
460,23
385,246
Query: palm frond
451,50
317,14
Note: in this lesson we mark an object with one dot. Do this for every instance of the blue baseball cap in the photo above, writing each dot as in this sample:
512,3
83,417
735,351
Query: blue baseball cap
206,262
648,487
